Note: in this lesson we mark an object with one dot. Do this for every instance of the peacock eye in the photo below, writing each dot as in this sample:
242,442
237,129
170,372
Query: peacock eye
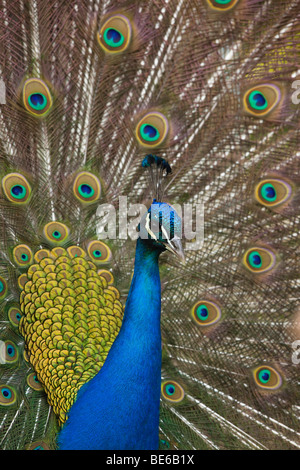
259,259
3,288
255,259
272,192
14,316
206,313
9,352
115,34
113,37
262,99
152,130
222,5
22,255
87,188
172,391
202,312
7,395
16,188
18,191
268,192
56,232
257,100
37,101
33,382
99,252
36,97
149,133
267,378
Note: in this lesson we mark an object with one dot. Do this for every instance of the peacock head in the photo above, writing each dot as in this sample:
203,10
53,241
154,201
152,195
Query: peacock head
161,228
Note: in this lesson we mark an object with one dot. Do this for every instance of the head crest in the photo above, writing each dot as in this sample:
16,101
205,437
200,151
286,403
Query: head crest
158,170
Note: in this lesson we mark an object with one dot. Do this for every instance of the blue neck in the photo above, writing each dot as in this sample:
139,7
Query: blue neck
119,408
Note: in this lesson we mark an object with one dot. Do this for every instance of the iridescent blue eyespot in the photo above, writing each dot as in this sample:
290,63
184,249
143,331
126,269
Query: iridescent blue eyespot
38,101
14,316
202,312
97,253
149,133
36,97
255,259
56,232
257,100
262,99
113,37
86,190
16,188
18,191
273,192
268,192
115,34
22,255
267,378
11,352
206,313
7,395
86,187
152,129
264,376
259,260
172,391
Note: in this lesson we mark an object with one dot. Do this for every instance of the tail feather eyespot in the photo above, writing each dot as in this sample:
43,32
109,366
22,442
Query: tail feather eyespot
22,255
172,391
36,97
8,395
152,129
115,34
16,188
206,313
262,99
272,192
259,260
99,252
86,187
267,378
56,232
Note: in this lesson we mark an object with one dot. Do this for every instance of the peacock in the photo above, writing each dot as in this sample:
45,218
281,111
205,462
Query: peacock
149,224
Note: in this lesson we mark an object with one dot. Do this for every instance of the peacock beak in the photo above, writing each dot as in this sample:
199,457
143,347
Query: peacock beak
175,246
